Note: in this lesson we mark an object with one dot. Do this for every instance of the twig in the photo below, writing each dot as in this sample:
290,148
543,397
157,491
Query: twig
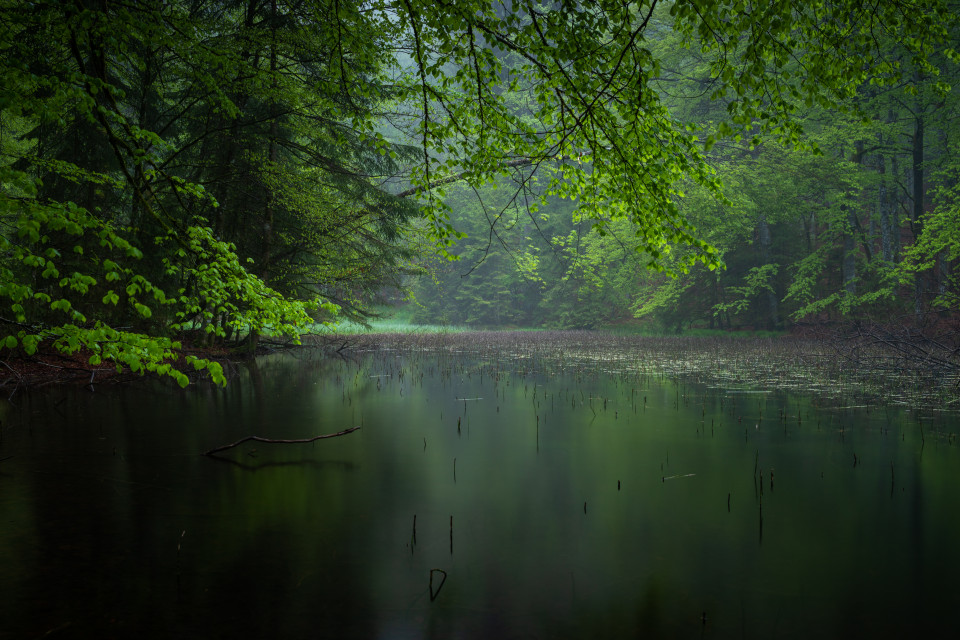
272,441
18,377
443,579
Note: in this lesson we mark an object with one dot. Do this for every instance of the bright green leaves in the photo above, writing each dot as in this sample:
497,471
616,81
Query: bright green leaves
61,305
253,144
566,87
224,294
29,342
770,58
50,271
57,308
739,299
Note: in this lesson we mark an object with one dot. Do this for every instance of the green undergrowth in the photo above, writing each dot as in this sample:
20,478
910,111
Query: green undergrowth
386,325
399,325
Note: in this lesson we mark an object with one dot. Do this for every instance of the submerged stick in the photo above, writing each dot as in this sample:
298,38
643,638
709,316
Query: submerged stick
272,441
443,579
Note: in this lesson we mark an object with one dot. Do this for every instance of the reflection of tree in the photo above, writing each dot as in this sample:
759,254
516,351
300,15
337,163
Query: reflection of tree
314,464
927,350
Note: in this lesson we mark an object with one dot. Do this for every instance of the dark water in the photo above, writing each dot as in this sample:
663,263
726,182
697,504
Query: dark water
583,505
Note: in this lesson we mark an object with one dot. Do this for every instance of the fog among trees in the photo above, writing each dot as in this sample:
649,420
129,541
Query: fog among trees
221,172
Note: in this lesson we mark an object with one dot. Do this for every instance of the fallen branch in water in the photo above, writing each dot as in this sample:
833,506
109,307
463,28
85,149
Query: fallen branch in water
271,441
685,475
434,594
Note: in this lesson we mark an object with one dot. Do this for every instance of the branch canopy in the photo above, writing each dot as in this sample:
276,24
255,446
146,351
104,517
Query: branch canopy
491,86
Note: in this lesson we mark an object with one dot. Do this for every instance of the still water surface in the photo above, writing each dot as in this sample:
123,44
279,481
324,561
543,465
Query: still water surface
559,504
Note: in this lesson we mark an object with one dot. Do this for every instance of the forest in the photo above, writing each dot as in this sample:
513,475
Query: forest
185,175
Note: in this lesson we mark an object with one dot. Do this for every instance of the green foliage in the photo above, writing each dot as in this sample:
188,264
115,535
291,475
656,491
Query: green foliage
248,169
757,280
774,100
937,247
172,168
218,292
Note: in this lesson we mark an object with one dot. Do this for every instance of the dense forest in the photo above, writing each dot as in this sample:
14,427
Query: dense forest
850,217
200,173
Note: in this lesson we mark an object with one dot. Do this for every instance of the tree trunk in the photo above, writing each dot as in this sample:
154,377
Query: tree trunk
272,148
884,204
895,202
918,206
848,264
943,272
763,232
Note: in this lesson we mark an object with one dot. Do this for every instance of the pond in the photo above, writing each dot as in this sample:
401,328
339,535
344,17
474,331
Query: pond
485,496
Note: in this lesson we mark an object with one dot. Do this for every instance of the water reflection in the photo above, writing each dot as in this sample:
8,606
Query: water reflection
560,504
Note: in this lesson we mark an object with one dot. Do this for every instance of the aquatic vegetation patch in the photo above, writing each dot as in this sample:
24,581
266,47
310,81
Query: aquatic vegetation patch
735,364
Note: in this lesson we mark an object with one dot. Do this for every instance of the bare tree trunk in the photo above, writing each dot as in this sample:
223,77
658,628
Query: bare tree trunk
253,339
918,206
718,297
272,148
884,202
763,232
848,264
809,226
895,207
943,258
943,272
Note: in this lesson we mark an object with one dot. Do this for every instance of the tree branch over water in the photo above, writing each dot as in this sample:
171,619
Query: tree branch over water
217,450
